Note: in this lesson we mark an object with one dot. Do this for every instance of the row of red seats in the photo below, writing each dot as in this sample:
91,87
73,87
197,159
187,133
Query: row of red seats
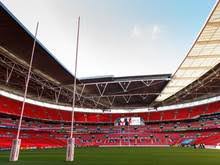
13,107
213,139
129,136
34,143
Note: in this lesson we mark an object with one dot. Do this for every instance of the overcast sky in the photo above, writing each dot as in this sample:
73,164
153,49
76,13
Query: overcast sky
117,37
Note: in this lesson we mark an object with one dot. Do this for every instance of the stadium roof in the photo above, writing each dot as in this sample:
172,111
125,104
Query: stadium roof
207,86
17,40
123,92
49,79
201,58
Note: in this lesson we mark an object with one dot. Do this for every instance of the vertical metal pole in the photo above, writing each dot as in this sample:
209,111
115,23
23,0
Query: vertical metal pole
74,88
15,149
27,82
71,140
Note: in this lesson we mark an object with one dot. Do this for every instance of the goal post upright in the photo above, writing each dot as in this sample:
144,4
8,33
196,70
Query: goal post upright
71,140
16,143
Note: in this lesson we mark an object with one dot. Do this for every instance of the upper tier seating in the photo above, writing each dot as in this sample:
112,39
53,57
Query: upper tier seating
13,107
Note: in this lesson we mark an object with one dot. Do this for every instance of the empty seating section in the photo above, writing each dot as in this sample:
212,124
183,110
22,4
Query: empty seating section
27,143
9,106
155,116
91,118
196,111
66,116
143,115
213,108
104,118
53,116
169,115
30,139
80,117
113,117
37,134
169,127
209,140
183,114
13,107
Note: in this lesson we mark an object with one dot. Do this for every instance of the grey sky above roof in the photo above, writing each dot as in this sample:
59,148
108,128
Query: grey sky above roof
120,38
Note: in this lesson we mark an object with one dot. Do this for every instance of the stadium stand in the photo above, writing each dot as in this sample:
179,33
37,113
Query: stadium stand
12,107
197,125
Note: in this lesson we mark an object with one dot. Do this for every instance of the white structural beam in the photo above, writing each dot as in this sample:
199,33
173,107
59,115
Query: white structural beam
71,140
202,56
15,149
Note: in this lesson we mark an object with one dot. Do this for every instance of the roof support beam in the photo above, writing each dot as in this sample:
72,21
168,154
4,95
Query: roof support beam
41,92
148,82
143,97
57,95
176,86
101,88
196,68
208,42
111,100
127,98
121,81
213,24
204,56
81,93
124,85
127,94
9,73
184,78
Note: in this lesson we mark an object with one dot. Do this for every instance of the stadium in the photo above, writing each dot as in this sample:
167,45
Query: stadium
54,117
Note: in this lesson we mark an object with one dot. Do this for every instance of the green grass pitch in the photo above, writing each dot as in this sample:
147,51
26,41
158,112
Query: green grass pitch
117,156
